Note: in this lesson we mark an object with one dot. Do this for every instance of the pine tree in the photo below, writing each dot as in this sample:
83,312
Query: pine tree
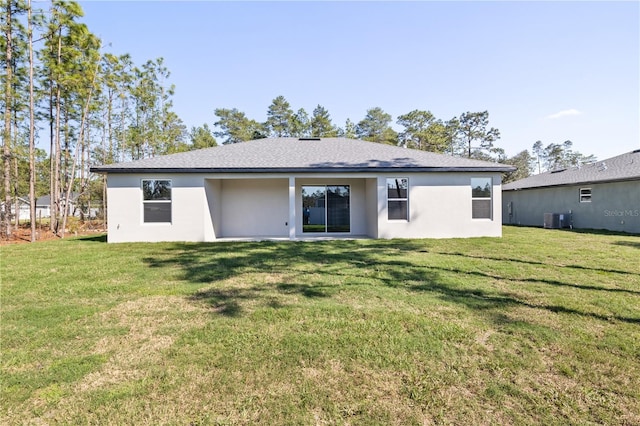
321,125
423,131
202,137
236,127
375,127
300,124
474,134
280,118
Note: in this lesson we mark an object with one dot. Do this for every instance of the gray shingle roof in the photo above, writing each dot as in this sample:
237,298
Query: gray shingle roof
621,168
295,155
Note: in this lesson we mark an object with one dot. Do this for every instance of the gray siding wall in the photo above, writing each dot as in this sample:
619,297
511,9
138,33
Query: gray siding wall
614,206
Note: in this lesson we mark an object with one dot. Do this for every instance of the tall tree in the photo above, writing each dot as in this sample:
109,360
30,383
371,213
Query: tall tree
300,124
124,77
156,129
375,127
349,129
62,48
575,158
561,156
6,134
15,106
321,125
9,26
202,137
523,162
115,79
280,118
87,59
554,157
423,131
474,133
538,150
236,127
32,129
130,113
451,131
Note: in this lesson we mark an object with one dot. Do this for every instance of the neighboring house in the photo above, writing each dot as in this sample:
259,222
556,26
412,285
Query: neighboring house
43,207
602,195
23,208
298,188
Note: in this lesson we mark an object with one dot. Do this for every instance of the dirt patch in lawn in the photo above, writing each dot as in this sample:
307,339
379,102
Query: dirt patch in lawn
23,234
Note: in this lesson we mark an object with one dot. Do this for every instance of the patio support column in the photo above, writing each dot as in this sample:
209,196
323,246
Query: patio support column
292,208
382,207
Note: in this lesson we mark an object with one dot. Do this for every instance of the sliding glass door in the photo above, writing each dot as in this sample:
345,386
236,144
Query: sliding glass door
325,208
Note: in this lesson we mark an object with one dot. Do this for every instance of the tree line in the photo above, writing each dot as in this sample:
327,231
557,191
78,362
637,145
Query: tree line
97,107
468,135
93,107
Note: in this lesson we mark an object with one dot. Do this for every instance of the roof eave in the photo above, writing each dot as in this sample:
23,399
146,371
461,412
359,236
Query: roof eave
125,170
586,182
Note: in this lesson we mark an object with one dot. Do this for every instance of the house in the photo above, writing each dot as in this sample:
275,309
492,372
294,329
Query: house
299,188
602,195
23,208
43,207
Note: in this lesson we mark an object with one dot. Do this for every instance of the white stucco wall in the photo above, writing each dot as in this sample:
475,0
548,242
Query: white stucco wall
125,209
371,199
212,224
206,207
254,207
440,207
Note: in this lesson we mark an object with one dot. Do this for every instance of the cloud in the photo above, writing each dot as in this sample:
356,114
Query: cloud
564,113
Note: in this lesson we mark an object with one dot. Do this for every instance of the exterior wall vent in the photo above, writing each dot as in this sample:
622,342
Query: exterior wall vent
308,139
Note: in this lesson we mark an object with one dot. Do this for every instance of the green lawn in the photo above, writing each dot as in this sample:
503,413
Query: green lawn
539,327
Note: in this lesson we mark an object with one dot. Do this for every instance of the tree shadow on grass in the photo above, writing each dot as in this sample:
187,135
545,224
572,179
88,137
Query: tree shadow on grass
482,300
541,280
228,302
533,262
320,269
598,232
313,270
210,262
634,244
94,238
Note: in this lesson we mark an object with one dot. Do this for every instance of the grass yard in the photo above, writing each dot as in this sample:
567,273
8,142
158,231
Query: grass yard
539,327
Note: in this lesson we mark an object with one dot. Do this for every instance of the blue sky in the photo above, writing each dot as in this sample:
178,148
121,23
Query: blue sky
548,71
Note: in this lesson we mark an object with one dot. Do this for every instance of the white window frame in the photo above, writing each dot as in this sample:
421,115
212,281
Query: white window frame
490,198
585,195
405,199
170,201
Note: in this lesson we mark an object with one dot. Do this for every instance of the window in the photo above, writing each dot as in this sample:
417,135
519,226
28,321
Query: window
326,208
481,198
585,195
156,200
398,199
